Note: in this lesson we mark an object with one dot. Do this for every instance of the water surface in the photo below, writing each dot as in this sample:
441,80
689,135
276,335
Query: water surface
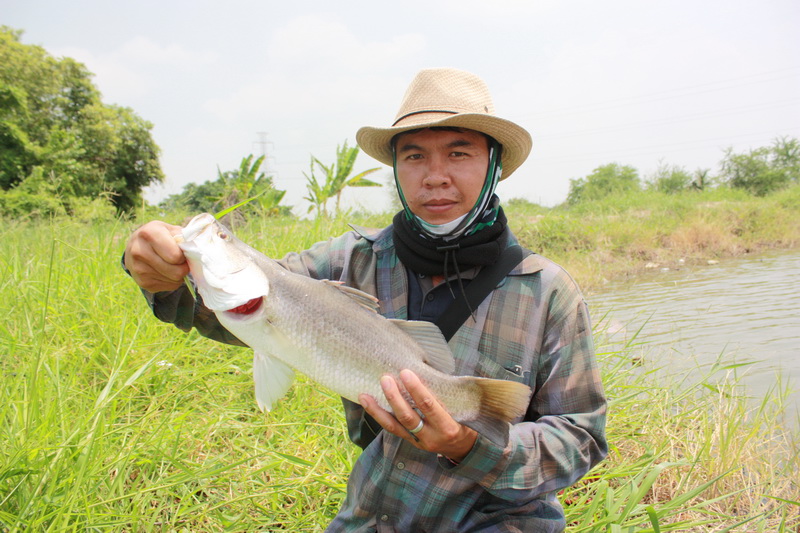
738,310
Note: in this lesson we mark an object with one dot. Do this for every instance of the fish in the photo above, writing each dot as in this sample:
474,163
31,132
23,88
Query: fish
333,334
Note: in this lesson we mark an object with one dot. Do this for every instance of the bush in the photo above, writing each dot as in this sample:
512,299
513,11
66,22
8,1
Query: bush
603,181
763,170
670,179
19,203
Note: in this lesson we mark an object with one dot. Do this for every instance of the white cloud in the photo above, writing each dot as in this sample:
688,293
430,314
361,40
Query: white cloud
315,67
124,74
143,50
117,81
330,46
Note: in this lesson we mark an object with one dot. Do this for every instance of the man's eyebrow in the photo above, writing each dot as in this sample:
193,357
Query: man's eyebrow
458,143
406,147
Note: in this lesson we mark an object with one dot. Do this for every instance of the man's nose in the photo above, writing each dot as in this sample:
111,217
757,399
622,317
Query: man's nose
437,174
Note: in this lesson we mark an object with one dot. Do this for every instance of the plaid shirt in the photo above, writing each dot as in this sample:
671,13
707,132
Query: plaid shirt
533,328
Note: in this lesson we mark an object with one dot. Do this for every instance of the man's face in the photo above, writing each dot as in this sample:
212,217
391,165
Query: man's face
441,172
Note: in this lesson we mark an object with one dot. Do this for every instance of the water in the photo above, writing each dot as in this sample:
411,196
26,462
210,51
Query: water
739,310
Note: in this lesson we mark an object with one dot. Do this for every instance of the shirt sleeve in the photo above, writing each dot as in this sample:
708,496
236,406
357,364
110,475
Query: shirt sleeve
563,434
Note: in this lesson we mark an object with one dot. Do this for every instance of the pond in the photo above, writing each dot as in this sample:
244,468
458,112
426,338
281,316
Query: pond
744,310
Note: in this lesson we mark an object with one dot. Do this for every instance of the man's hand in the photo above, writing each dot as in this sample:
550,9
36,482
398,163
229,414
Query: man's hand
440,433
154,259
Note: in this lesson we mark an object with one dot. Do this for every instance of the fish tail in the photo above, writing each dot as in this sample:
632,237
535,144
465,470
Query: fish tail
501,402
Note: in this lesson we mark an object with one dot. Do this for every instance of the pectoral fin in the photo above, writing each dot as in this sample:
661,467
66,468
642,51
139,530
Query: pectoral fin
272,377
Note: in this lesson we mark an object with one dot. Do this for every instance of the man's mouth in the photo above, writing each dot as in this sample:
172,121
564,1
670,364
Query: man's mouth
439,205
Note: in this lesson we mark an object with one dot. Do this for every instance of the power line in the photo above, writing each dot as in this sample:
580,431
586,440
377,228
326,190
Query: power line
673,120
696,144
676,92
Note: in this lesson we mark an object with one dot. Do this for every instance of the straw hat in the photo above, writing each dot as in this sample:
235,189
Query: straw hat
454,98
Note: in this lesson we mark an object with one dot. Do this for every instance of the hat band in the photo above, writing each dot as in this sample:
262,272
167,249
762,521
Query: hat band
423,111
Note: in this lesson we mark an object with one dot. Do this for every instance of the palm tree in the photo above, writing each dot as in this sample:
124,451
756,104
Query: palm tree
337,177
248,183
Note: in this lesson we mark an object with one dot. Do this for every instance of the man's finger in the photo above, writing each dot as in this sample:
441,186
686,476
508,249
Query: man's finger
424,400
383,417
403,411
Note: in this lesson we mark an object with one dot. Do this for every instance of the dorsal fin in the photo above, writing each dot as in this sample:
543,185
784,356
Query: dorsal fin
438,354
362,298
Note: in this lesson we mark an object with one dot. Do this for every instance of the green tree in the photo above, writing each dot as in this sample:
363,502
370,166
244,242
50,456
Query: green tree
17,153
603,181
763,170
248,182
195,198
53,123
701,179
230,188
670,179
337,178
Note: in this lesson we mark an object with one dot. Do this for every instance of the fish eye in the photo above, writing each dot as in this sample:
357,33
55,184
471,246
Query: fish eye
224,236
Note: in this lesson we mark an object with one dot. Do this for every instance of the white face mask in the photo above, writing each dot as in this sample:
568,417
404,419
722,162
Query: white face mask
441,229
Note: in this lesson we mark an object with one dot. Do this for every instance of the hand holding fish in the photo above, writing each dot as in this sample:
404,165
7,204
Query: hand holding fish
154,259
439,432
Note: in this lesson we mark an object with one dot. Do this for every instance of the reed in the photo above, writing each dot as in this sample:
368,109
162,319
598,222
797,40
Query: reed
623,235
110,418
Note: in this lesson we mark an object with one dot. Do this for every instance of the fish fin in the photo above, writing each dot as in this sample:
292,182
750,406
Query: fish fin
272,377
437,352
362,298
501,403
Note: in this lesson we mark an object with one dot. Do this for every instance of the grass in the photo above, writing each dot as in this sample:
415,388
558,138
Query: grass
109,418
623,235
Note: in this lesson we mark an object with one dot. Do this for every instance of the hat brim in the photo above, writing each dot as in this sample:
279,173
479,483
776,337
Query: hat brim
516,141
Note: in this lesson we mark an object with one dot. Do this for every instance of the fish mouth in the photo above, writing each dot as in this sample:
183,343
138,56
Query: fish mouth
247,308
197,226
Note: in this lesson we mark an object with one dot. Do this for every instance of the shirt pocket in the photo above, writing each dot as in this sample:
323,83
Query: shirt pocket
503,366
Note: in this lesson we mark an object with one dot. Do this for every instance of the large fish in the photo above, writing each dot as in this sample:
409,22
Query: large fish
332,333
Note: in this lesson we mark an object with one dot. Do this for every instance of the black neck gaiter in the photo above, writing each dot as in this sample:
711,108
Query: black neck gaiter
437,257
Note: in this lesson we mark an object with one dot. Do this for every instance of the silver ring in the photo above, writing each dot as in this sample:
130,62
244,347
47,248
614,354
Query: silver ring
418,428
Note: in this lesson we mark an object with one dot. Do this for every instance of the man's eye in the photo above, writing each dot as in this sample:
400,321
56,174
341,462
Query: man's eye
414,157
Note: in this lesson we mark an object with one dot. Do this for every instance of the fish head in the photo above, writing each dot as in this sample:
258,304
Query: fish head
222,266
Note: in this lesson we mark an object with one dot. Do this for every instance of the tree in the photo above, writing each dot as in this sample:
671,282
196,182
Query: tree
248,183
53,124
17,154
701,178
317,193
603,181
337,177
763,170
230,188
670,179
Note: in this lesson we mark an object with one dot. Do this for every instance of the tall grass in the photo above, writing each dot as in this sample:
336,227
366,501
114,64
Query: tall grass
623,234
109,418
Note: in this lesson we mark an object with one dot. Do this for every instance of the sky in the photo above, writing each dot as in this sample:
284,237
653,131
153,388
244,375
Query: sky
634,82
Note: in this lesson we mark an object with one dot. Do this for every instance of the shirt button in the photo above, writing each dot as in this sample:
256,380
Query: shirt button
384,518
430,297
401,466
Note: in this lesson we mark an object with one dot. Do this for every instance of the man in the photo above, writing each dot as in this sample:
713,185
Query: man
420,469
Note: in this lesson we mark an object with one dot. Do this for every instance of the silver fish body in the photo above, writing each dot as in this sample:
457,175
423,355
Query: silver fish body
332,333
